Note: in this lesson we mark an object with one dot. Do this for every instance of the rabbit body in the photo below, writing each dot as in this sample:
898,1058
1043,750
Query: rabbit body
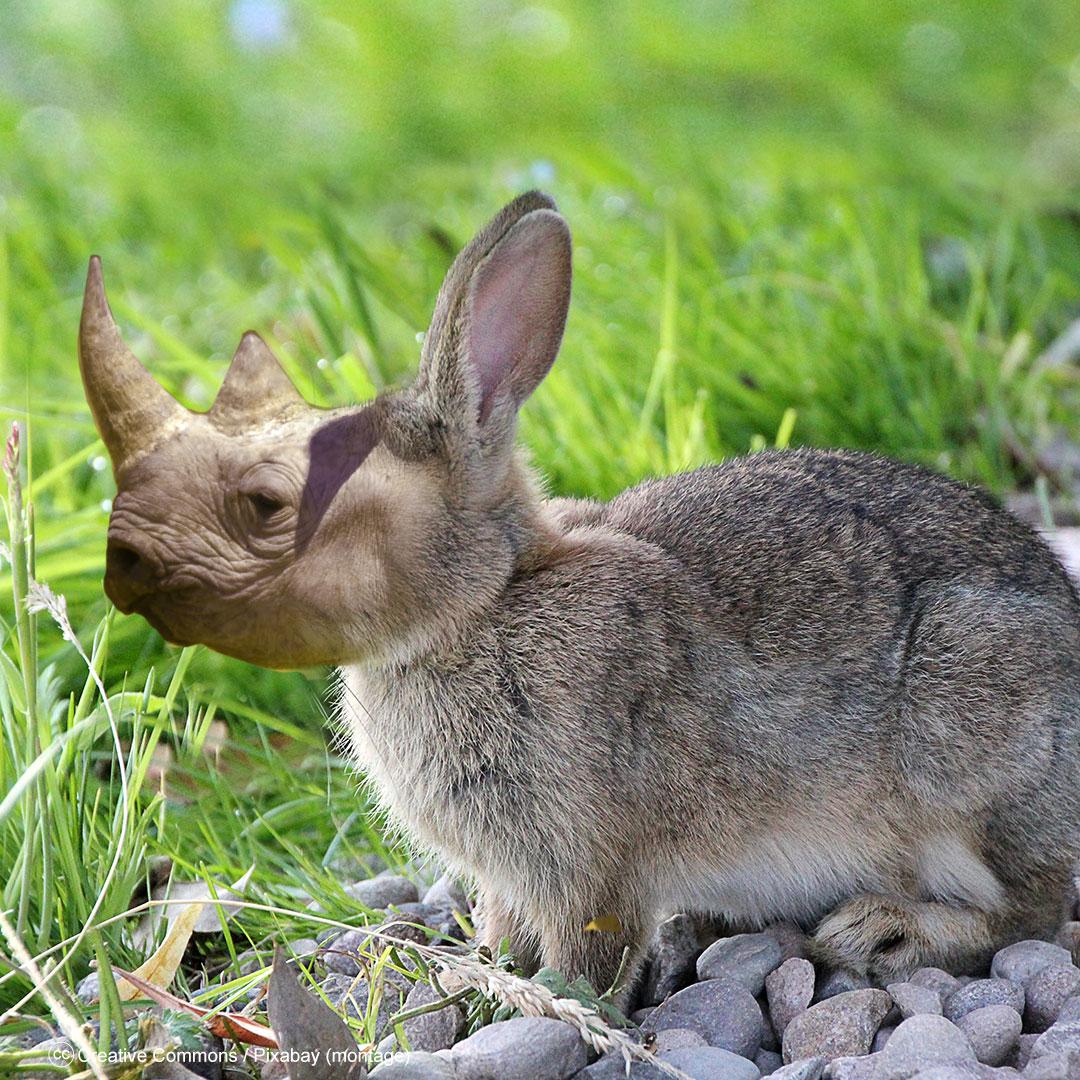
808,685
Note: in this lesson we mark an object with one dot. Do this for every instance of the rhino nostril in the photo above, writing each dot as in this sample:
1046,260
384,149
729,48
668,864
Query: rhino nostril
128,570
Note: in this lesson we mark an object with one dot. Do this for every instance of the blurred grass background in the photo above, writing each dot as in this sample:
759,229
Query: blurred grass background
847,223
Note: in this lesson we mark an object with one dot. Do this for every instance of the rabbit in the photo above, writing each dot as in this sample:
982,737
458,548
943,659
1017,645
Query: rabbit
809,685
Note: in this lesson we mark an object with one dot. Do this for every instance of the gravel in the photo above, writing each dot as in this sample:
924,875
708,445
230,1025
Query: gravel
993,1032
842,1026
1025,959
750,1005
983,992
528,1048
920,1042
671,964
382,891
745,959
723,1013
1046,995
789,990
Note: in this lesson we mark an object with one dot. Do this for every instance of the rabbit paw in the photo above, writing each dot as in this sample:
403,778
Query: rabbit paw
872,936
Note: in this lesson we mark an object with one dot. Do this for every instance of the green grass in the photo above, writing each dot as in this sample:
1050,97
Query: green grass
825,224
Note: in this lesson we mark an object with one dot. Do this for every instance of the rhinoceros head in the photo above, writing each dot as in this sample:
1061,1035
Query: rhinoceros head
289,535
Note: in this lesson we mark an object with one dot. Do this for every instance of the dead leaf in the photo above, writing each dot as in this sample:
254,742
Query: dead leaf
233,1026
605,924
309,1030
180,895
160,967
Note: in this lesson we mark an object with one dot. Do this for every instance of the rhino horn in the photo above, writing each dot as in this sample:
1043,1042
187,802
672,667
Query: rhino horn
131,411
255,385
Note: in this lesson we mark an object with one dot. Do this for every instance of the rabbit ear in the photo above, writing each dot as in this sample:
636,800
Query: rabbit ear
500,316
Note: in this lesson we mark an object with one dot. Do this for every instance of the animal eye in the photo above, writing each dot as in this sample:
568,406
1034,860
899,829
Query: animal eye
266,505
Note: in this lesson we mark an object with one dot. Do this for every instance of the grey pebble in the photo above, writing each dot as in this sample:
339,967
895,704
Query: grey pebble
982,992
526,1048
921,1042
671,966
414,1066
744,958
1070,1010
1061,1065
677,1039
1062,1036
1022,1052
89,989
935,979
789,937
839,982
382,891
1025,959
955,1072
1046,994
767,1061
725,1014
915,1000
789,990
881,1038
435,1030
448,892
859,1067
841,1026
993,1031
804,1069
711,1063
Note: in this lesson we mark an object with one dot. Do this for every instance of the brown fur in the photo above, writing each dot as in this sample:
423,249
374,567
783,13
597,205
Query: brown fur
813,685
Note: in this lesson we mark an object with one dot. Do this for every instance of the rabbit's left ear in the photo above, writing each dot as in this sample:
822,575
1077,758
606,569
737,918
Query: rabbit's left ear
501,313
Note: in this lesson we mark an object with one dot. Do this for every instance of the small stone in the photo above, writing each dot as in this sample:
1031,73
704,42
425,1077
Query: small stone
89,989
671,965
380,892
1062,1036
860,1067
725,1014
767,1061
841,1026
1025,959
921,1042
789,937
745,959
881,1038
639,1016
970,1071
677,1039
789,990
993,1032
710,1063
1070,1010
1022,1052
839,982
1046,994
448,892
434,1030
526,1048
983,992
803,1069
1061,1065
414,1066
935,979
915,1000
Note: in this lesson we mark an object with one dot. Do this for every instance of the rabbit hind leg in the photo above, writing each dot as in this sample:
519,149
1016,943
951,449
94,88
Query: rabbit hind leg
886,937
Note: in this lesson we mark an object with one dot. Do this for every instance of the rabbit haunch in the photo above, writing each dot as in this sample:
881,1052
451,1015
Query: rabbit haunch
815,685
